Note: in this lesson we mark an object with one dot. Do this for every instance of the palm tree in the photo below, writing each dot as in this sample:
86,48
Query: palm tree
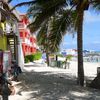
46,39
42,40
41,10
81,6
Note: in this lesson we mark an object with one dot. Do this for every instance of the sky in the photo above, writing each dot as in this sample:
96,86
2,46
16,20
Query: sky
91,31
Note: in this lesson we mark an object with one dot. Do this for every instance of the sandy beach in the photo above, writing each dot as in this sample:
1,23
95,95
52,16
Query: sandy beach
39,82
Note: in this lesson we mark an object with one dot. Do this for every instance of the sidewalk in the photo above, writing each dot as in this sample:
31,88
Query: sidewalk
40,82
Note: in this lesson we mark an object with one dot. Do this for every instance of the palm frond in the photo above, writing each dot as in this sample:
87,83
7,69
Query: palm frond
43,5
74,19
10,1
96,5
56,4
33,11
44,11
59,27
24,4
42,35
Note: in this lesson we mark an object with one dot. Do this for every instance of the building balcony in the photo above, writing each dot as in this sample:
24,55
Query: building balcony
21,26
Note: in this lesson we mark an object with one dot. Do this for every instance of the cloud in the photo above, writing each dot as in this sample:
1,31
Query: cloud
92,43
65,43
69,43
96,42
91,17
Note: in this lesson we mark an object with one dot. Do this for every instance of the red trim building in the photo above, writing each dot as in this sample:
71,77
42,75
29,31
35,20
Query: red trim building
28,40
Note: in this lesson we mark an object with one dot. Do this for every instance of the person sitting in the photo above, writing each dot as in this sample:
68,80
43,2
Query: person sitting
15,70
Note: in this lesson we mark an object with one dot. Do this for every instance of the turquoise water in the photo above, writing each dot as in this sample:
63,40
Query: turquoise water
88,59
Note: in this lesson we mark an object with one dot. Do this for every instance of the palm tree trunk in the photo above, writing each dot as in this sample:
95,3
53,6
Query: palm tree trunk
47,54
56,57
80,48
47,58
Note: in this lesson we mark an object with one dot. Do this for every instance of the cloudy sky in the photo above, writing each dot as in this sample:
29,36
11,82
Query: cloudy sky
91,30
91,33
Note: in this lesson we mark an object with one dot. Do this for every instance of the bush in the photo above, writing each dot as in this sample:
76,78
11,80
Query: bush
69,57
60,55
37,55
31,58
26,60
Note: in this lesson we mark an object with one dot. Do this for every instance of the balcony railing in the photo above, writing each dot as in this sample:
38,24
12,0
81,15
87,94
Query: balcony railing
21,26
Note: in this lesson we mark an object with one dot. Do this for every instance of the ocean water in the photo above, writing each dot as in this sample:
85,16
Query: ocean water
91,59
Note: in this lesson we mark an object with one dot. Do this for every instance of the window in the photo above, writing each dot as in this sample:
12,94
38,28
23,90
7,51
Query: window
21,34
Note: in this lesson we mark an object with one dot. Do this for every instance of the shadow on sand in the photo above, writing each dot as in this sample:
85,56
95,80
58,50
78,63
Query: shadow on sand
53,86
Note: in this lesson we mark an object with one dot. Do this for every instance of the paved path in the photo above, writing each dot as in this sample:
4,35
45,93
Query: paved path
39,82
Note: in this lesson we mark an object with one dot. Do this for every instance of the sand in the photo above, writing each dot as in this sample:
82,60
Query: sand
39,82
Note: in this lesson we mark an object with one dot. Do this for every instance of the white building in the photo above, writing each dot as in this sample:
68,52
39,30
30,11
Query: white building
70,52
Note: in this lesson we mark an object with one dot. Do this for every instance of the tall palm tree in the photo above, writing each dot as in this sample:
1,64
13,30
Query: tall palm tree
40,10
81,6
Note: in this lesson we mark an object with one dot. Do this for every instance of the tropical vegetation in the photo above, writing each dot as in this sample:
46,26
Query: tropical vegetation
33,57
43,41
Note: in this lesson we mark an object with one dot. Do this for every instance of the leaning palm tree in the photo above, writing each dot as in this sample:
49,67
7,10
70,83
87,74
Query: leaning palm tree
47,40
57,29
40,10
42,40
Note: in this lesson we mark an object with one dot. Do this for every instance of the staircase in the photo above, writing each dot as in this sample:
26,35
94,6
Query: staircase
12,45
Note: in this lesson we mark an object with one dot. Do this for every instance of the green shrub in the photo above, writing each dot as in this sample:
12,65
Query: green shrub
69,57
60,55
26,60
37,55
31,58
